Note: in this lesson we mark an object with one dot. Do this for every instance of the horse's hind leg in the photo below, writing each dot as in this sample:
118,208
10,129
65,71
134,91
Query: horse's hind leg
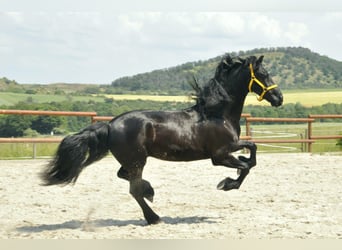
140,189
146,188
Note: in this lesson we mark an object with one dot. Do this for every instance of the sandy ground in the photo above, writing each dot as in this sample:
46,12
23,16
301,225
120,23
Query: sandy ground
285,196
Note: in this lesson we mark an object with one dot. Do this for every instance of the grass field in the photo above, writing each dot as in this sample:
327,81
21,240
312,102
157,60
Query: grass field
9,98
25,150
307,98
157,98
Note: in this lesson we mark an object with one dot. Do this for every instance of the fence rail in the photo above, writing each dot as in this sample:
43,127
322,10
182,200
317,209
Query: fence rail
321,137
43,112
101,118
31,140
309,140
326,116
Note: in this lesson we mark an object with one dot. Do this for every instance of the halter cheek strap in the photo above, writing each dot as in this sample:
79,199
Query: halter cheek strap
255,80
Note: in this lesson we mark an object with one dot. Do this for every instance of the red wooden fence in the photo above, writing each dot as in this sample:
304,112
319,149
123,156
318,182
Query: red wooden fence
43,112
249,120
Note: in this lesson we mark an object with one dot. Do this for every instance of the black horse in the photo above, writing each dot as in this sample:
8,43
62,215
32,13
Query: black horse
209,129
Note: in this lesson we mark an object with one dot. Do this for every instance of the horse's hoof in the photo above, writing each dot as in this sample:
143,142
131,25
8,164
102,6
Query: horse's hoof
154,220
228,184
149,198
221,184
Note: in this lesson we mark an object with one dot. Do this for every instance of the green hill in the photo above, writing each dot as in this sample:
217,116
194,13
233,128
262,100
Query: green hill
7,84
291,68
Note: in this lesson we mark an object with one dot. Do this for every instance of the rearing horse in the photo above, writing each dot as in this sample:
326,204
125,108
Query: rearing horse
208,130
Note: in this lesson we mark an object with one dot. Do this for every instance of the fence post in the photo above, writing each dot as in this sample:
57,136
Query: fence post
248,128
34,151
309,136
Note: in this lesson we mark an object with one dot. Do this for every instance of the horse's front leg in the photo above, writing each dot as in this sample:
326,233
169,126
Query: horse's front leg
251,161
224,158
230,183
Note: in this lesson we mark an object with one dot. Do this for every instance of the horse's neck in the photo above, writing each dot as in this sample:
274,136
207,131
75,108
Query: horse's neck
233,113
234,86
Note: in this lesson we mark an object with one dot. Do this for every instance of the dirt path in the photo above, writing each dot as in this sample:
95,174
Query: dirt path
298,197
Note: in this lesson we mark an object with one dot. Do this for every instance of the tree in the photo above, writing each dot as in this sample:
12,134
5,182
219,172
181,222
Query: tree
15,125
45,124
30,133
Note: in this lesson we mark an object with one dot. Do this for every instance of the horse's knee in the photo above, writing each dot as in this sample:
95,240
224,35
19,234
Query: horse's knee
253,147
229,161
247,144
250,161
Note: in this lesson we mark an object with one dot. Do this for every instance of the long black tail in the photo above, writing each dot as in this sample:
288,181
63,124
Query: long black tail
75,152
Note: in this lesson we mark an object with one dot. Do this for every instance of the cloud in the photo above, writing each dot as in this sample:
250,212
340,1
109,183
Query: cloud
98,46
296,32
264,27
177,37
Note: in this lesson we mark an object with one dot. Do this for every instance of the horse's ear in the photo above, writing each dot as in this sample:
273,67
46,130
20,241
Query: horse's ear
259,61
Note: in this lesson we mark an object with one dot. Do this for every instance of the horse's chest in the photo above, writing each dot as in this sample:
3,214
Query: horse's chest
227,132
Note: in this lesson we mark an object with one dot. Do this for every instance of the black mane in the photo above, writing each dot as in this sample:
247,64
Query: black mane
212,98
228,63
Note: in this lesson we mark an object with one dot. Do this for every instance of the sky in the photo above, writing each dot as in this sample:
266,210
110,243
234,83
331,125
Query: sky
82,42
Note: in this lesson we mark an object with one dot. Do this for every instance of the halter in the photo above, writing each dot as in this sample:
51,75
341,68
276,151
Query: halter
264,88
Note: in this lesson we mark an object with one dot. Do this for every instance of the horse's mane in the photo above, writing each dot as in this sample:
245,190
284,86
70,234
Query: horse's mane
212,98
228,63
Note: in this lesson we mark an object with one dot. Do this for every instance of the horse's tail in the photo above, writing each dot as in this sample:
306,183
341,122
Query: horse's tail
75,152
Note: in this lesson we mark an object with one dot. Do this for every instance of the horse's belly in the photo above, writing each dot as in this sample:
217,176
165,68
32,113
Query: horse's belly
174,152
184,156
175,142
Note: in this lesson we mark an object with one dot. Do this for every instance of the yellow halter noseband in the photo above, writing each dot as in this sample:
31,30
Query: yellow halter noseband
254,79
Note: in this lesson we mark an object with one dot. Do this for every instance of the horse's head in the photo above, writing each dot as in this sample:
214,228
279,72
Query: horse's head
261,82
249,73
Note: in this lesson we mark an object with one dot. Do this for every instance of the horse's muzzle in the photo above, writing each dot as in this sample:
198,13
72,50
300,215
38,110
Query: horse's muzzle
277,100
